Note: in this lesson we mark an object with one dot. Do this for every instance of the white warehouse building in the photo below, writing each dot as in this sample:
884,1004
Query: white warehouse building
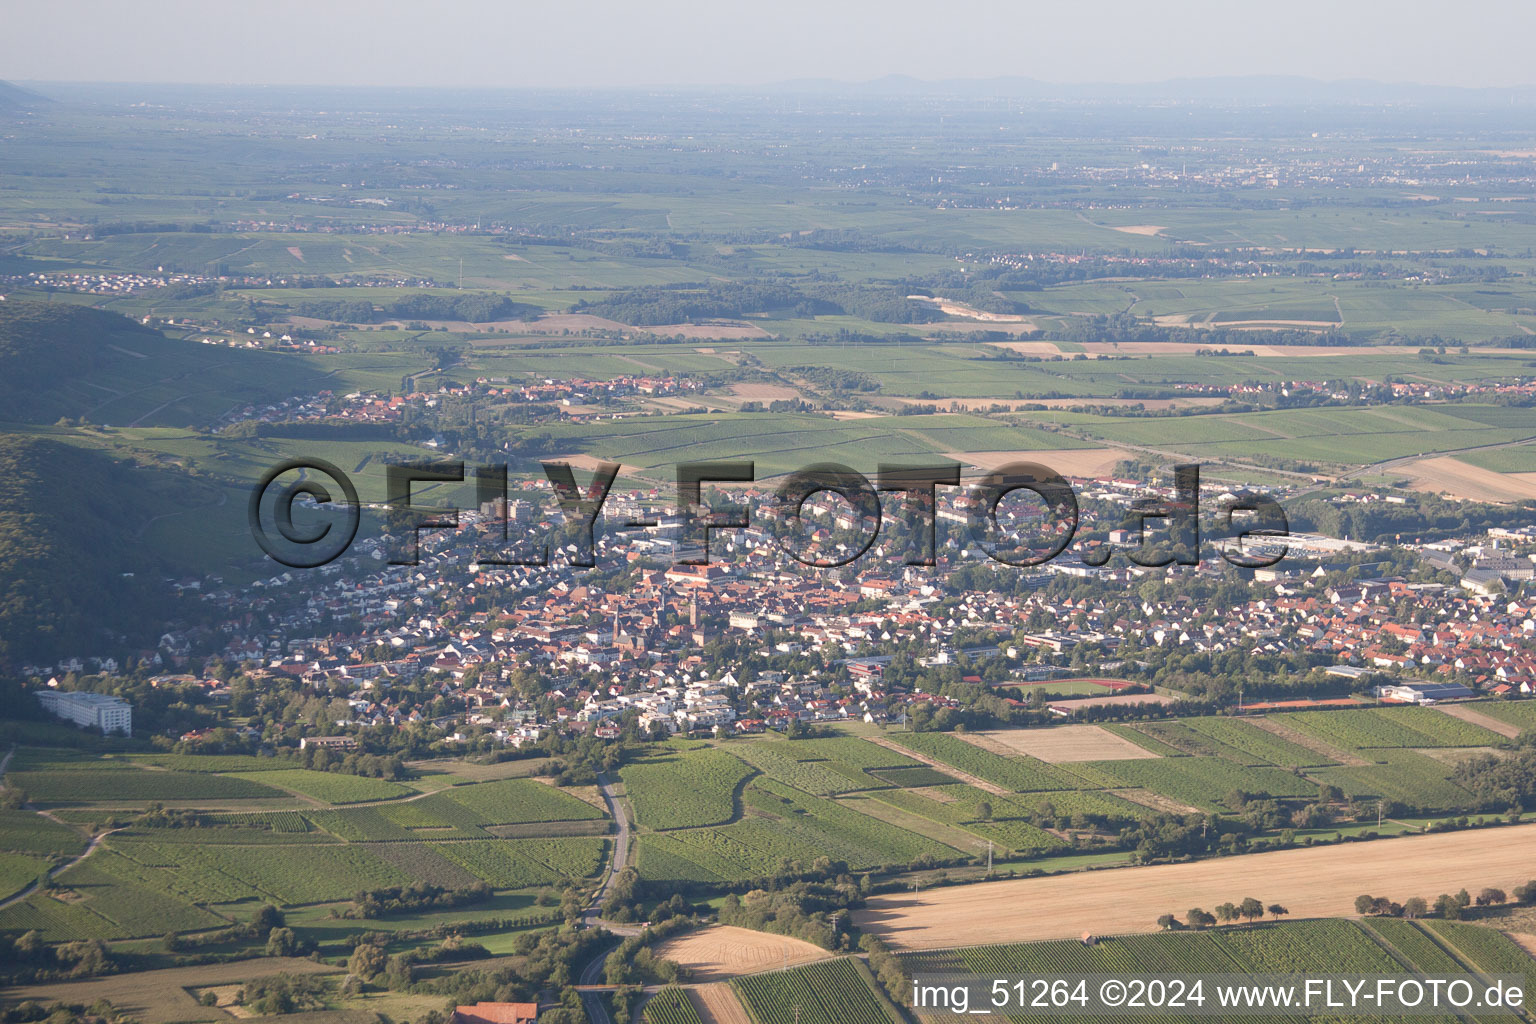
94,710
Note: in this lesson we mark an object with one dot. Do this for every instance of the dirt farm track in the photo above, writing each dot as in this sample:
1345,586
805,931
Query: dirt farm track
1317,882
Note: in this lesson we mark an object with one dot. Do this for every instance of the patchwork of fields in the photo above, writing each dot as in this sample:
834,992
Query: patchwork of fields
751,808
149,880
1381,948
739,811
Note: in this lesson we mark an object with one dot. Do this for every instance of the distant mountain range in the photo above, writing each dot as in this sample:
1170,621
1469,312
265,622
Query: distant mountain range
1242,90
14,97
1266,89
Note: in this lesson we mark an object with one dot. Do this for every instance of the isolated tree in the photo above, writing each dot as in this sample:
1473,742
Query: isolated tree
1197,919
367,961
1251,909
1276,911
281,942
1492,897
1447,907
984,811
1167,922
1364,905
265,919
1226,913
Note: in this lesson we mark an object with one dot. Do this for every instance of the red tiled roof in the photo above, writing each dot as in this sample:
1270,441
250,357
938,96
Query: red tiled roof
496,1013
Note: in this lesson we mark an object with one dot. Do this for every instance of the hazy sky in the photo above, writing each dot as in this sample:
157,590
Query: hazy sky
660,42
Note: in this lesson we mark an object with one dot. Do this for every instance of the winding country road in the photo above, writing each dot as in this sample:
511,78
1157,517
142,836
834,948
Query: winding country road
593,1001
592,916
90,848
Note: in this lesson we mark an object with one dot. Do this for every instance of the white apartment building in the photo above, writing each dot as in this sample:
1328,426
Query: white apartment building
94,710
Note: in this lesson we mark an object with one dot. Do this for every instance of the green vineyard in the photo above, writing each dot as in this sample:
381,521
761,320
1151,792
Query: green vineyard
829,992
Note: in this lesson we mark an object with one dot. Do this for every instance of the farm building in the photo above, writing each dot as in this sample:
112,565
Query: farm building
1423,693
496,1013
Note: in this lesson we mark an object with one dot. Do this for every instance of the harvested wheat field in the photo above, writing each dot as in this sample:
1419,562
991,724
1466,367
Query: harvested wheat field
756,392
588,464
717,1004
1459,479
1081,462
727,330
1317,882
1065,743
723,951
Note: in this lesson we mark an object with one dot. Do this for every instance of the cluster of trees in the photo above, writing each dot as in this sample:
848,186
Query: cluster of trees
817,913
474,307
1123,326
32,959
1502,783
545,959
1450,906
1249,909
372,903
32,1012
656,305
1425,516
283,993
833,379
886,967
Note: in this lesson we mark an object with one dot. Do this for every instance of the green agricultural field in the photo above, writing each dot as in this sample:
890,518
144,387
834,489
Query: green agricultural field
1486,949
512,801
825,767
362,824
816,777
1020,774
19,870
1352,436
212,762
1000,826
780,443
1257,743
138,786
685,790
28,832
331,787
136,909
1368,728
57,920
1409,778
1204,782
910,778
1183,738
425,863
670,1006
517,864
783,827
1515,459
829,992
1517,713
1318,947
